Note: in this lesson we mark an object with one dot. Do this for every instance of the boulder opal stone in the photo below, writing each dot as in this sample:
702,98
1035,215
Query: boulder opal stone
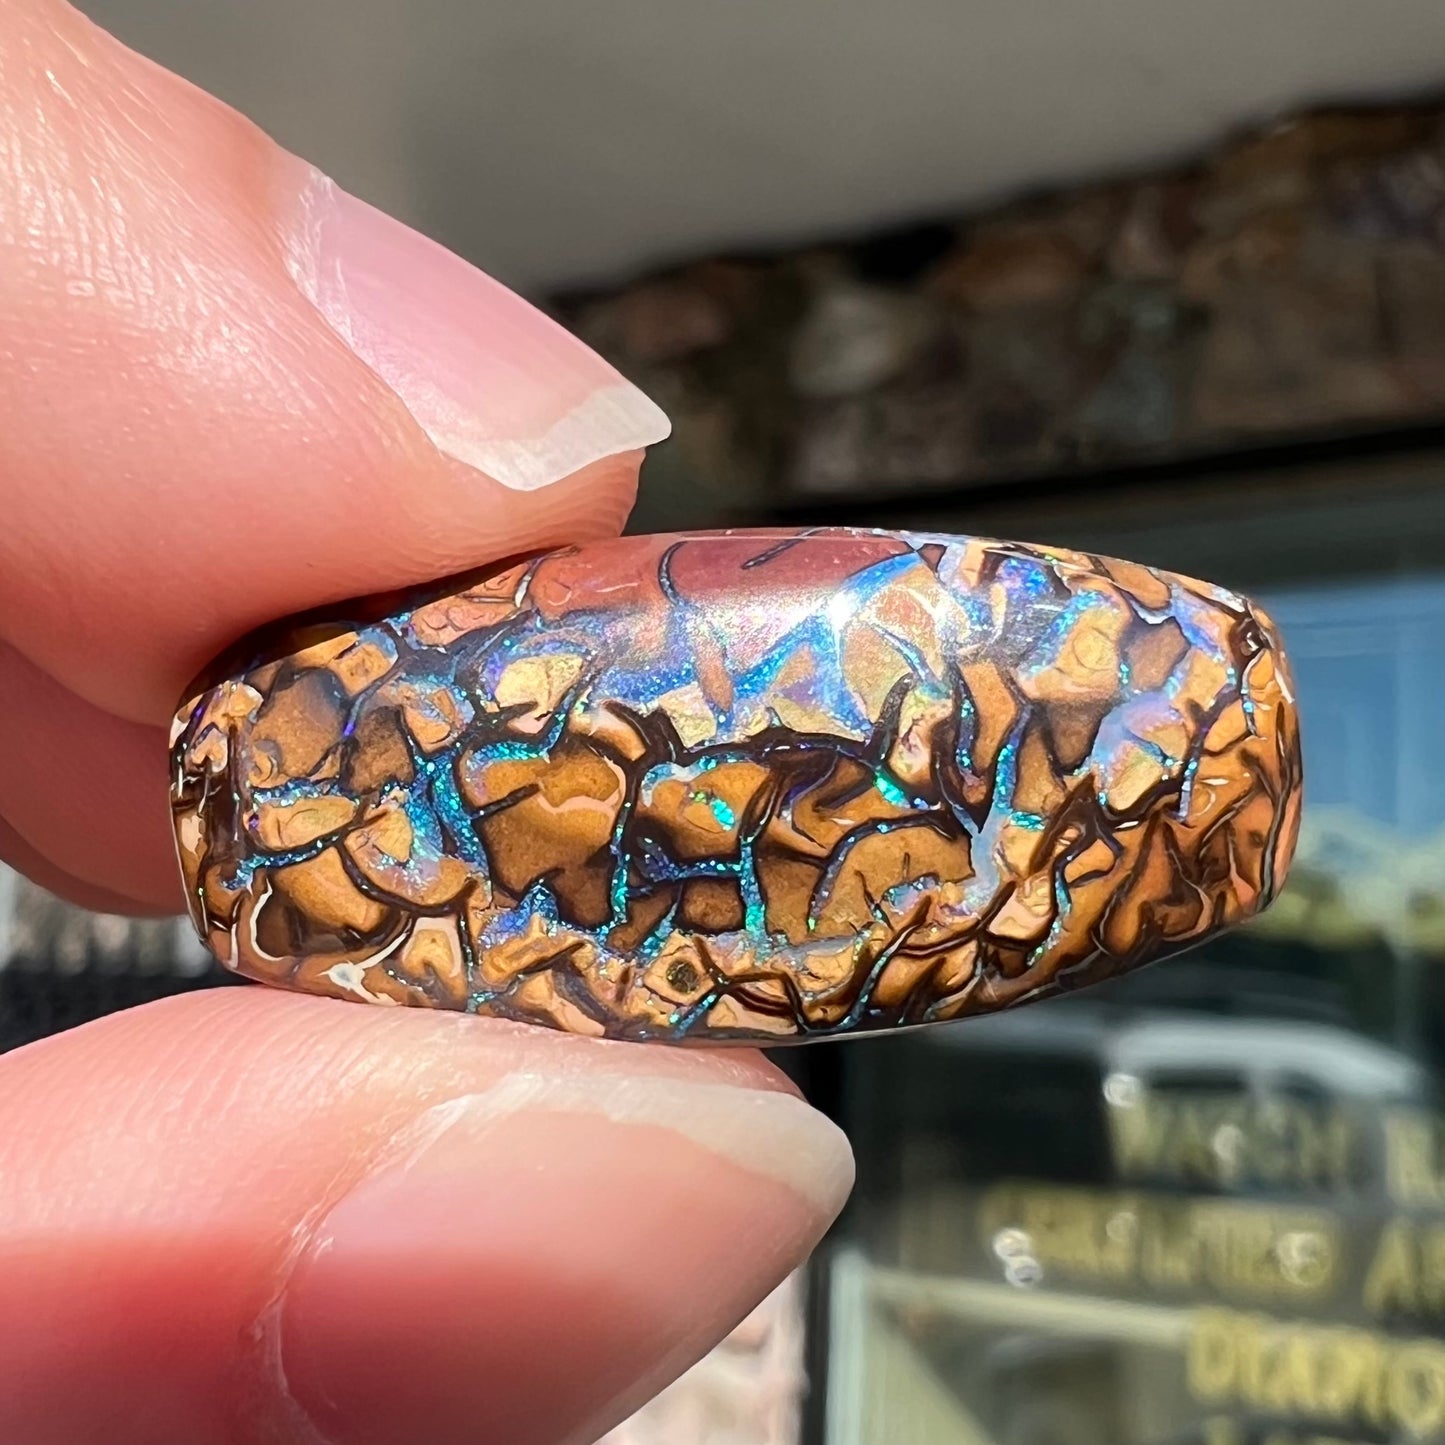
742,785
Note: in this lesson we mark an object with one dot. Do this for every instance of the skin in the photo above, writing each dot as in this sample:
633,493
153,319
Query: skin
172,406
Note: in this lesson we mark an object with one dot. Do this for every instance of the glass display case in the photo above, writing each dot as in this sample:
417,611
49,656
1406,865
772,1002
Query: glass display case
1205,1204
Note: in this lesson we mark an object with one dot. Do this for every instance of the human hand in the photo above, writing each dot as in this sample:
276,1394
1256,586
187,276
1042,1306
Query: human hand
231,392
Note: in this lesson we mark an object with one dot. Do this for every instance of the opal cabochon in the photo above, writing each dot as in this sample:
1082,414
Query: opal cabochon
744,785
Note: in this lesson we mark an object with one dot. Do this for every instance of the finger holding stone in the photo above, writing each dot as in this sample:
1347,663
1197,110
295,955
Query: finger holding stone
243,1217
21,855
85,790
235,391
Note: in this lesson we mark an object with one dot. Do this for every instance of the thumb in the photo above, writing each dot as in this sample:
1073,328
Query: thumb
242,1216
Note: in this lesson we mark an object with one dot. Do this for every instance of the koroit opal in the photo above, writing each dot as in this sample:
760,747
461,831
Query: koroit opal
742,785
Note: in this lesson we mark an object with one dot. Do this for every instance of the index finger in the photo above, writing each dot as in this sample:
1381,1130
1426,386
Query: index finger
234,391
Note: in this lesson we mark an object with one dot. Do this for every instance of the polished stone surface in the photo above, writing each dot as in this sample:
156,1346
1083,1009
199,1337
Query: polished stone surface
746,785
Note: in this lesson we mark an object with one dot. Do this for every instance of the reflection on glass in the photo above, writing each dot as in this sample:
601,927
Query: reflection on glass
1204,1205
747,1391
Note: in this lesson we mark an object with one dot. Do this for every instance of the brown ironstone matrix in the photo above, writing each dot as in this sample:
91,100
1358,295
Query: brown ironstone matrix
743,785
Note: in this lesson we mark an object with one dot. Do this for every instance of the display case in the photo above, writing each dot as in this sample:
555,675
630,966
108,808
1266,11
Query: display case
1204,1204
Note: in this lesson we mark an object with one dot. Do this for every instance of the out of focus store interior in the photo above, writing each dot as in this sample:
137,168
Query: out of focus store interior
1203,1205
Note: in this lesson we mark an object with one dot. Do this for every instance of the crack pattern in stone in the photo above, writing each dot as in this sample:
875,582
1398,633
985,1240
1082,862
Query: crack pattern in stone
743,785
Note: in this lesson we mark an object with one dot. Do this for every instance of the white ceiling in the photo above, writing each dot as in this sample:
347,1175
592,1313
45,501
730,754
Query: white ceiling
562,140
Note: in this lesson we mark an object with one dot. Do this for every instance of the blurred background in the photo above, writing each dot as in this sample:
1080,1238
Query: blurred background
1156,279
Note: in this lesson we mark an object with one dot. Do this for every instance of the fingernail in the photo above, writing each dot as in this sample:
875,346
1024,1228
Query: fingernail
610,1228
492,381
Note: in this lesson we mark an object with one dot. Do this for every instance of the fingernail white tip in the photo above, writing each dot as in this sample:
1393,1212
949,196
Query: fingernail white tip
618,418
